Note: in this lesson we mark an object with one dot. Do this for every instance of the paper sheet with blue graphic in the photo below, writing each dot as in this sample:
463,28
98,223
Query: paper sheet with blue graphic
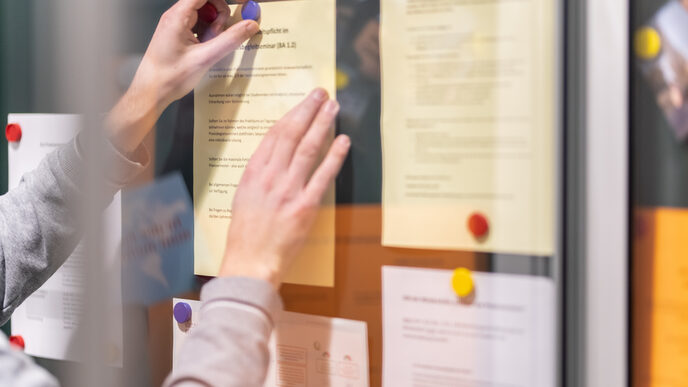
157,245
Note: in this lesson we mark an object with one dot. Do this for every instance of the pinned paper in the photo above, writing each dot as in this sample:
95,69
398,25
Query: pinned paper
235,105
505,338
48,318
157,249
305,350
468,123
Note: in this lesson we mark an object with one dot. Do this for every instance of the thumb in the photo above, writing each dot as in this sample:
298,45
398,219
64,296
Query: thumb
220,46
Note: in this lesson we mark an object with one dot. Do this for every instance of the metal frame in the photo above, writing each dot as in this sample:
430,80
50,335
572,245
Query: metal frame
573,264
596,194
606,131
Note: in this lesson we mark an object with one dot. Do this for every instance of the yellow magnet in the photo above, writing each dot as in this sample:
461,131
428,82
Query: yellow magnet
647,43
462,282
342,79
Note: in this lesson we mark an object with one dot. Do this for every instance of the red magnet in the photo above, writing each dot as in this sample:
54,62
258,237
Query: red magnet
207,13
13,132
478,225
17,342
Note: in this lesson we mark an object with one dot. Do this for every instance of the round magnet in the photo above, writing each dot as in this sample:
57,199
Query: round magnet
207,13
647,43
17,341
341,79
13,132
182,312
462,282
478,225
250,11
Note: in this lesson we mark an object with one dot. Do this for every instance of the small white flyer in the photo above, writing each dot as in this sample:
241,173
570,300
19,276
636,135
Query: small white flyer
503,336
305,350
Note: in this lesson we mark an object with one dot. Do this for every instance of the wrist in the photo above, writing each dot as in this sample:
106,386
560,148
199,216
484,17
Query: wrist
133,117
148,88
235,266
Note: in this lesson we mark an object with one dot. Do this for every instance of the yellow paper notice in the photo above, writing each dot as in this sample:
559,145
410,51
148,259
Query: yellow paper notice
238,102
468,125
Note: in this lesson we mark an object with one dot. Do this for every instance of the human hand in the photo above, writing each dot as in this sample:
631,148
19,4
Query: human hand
175,61
278,199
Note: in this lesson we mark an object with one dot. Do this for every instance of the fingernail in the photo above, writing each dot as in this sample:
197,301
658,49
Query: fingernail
332,107
252,28
344,140
319,94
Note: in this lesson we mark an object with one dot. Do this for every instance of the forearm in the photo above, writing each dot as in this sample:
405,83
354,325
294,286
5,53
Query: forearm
135,114
40,220
229,347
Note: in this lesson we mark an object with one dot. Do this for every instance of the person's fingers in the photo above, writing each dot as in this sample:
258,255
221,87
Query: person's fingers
223,14
293,126
262,154
310,149
191,5
221,6
181,15
222,45
327,171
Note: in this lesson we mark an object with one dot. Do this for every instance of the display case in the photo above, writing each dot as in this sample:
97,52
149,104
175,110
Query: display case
536,96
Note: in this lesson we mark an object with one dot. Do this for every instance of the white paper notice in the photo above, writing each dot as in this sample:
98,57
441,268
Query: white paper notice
48,319
305,350
504,337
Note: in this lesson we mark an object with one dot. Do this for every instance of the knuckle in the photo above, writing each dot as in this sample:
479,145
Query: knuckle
305,111
290,132
302,209
310,106
167,17
338,155
266,183
309,150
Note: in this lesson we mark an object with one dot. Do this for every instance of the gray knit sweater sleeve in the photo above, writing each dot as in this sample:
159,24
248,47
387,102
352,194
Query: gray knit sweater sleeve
229,347
39,219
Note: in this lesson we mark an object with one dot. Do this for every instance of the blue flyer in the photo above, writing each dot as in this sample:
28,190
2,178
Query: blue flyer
157,241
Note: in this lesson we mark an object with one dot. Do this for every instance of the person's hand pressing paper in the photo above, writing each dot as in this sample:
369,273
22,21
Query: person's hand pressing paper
176,59
278,197
173,64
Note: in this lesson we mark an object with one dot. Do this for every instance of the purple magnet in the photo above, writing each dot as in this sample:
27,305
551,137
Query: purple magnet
250,10
182,312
